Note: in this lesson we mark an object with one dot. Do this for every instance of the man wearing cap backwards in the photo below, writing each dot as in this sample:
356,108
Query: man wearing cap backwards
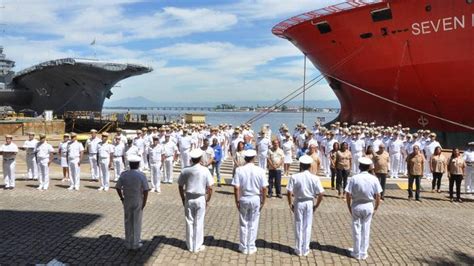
184,147
44,155
91,147
132,188
156,157
304,187
9,151
468,157
118,160
105,151
250,188
62,150
363,189
171,155
31,163
75,151
195,188
263,144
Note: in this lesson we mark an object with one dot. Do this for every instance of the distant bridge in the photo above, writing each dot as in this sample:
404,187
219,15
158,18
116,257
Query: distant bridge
176,108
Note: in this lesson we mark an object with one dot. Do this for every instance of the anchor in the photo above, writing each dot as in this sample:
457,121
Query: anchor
423,121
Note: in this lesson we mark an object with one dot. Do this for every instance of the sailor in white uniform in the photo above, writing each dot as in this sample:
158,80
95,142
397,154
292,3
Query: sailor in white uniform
130,150
118,156
357,147
121,136
9,151
250,190
132,188
468,157
361,192
75,151
62,150
195,188
171,155
304,187
105,152
44,155
395,150
263,145
156,157
31,163
184,146
91,147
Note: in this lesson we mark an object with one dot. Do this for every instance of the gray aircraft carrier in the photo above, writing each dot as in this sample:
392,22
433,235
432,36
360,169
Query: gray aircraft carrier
62,85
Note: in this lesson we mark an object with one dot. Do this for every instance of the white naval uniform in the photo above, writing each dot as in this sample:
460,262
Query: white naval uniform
104,151
43,151
74,153
139,142
468,157
357,149
119,153
9,164
92,145
305,187
395,151
184,143
133,183
169,149
287,148
263,145
131,150
195,180
327,161
363,189
63,153
155,153
31,162
251,181
429,148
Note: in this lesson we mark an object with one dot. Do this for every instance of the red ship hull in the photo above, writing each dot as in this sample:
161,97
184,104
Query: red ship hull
415,68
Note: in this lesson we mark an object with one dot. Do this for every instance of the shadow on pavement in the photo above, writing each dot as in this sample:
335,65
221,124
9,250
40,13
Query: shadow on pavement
171,241
212,242
39,237
460,258
260,243
330,248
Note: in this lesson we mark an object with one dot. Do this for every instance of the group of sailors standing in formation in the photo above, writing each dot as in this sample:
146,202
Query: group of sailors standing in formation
361,150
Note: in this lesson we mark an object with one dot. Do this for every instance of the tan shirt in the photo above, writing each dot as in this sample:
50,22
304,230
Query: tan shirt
316,164
415,164
438,163
343,160
456,166
381,162
276,157
332,158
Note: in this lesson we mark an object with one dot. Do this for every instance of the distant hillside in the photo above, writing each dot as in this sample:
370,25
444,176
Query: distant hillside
144,102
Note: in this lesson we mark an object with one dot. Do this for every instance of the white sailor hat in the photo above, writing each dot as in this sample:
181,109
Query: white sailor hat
250,153
93,131
365,161
134,158
306,159
195,153
471,143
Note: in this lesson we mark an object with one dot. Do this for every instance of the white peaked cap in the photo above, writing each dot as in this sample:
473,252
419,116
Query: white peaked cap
306,159
134,158
250,153
195,153
365,161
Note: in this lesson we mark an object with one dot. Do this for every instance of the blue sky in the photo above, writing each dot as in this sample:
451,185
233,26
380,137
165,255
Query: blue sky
200,50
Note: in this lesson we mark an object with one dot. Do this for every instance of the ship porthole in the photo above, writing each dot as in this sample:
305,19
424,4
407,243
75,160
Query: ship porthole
428,8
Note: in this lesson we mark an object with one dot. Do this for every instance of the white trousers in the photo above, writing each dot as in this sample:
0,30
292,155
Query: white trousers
74,173
185,159
144,162
94,166
168,169
104,172
194,210
361,219
118,167
155,175
262,161
132,208
469,179
395,159
303,212
326,162
249,218
31,166
9,172
427,171
403,165
43,173
355,162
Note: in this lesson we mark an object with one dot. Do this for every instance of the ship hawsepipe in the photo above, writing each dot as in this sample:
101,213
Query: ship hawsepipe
394,61
67,84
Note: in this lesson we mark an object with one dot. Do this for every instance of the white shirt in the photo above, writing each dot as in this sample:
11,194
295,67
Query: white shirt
363,187
184,143
123,139
468,156
304,186
195,179
63,148
74,150
132,183
263,145
92,145
251,180
9,148
30,145
119,149
155,153
357,146
207,156
43,150
169,148
330,145
430,146
376,144
105,149
132,150
139,142
287,147
395,146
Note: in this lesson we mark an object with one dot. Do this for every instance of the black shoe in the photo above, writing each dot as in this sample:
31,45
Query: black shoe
419,200
280,196
219,185
269,196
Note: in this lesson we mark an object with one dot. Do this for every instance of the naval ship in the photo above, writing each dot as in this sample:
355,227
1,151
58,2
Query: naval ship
62,85
395,61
